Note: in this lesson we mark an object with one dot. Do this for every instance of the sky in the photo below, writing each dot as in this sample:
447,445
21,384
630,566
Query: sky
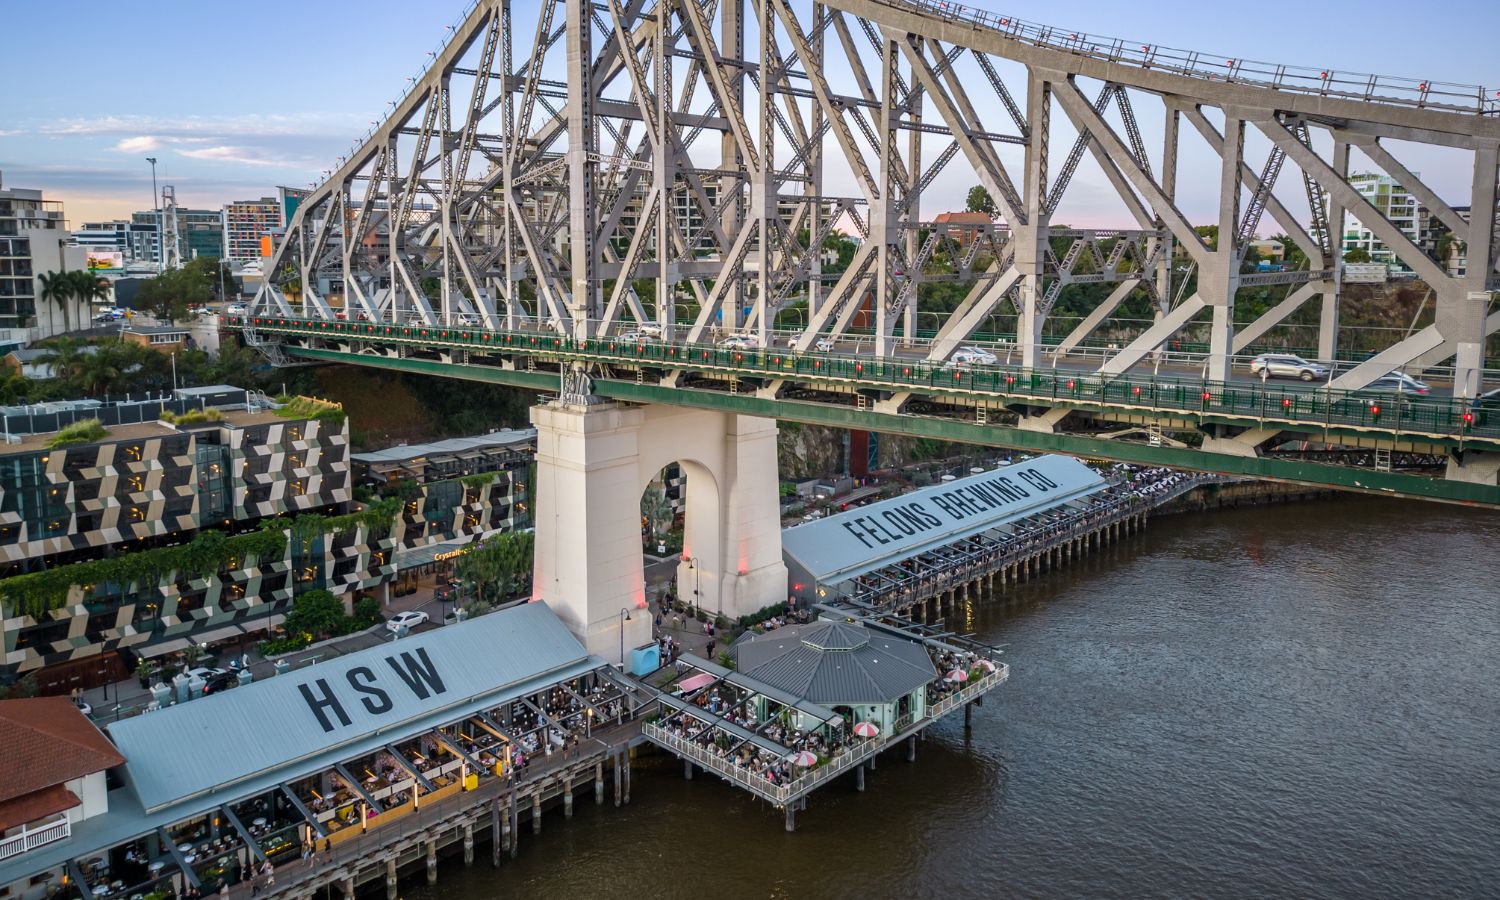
233,100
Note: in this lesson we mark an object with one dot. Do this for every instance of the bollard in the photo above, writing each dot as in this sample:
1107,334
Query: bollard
468,843
432,862
390,879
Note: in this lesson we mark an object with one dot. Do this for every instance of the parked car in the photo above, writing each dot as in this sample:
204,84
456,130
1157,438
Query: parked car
204,672
201,311
965,356
407,620
222,682
1287,365
234,309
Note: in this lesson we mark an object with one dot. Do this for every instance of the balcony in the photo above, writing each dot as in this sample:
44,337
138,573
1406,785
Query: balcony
33,836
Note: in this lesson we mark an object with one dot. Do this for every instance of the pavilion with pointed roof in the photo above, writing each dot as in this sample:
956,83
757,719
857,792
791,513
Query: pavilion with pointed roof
862,674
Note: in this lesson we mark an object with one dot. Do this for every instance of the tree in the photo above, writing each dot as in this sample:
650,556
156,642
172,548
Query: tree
213,272
1357,255
656,509
58,288
87,286
66,357
318,613
980,200
498,568
171,294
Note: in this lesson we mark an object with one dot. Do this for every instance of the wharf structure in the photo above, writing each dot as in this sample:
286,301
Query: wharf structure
807,703
920,554
377,760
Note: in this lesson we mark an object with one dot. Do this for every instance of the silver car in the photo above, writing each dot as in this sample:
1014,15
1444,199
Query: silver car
973,355
1287,365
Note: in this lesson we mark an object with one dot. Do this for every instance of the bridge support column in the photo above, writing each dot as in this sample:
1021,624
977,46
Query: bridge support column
599,784
594,462
469,843
859,777
568,799
432,862
348,887
496,842
536,813
911,749
390,879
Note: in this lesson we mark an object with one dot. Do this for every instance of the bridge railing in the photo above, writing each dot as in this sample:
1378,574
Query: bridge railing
1368,88
1261,402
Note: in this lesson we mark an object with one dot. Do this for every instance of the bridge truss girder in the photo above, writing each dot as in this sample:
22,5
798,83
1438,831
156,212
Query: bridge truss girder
536,178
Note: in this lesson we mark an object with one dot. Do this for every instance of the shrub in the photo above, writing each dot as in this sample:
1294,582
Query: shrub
278,646
84,431
367,612
193,416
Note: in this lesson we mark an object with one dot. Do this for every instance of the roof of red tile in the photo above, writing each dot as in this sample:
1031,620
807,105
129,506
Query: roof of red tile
965,218
47,742
36,805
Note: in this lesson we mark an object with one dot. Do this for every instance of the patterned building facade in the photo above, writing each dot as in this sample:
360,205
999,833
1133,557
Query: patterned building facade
156,484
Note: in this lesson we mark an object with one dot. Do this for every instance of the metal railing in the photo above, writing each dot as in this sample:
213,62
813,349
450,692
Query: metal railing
1289,404
29,838
782,794
1368,88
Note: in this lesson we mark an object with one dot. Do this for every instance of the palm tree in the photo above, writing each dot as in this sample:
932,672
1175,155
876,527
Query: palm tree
57,288
88,287
657,510
65,356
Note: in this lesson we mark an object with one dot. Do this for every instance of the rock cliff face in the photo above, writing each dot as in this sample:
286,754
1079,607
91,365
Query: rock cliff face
808,451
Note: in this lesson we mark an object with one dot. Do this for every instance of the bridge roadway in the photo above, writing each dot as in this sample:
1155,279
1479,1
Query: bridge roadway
995,405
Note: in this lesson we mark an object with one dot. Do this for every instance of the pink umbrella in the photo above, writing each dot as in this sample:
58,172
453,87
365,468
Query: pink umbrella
989,666
695,682
803,758
866,729
958,675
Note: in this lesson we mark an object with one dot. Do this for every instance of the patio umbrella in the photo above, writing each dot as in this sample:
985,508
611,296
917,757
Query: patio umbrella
696,681
988,666
803,758
866,729
958,675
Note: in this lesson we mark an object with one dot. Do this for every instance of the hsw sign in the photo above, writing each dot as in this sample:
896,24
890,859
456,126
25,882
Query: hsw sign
413,671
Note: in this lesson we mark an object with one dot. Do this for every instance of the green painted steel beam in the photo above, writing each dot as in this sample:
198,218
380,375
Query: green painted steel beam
1271,468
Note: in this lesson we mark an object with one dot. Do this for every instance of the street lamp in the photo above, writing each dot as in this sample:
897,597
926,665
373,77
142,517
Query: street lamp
693,567
624,617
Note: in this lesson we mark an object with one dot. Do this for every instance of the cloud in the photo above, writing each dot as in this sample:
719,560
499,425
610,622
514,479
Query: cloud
209,127
138,144
247,156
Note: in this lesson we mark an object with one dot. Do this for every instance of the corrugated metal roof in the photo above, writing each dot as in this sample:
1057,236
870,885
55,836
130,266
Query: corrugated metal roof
878,668
223,739
451,446
877,535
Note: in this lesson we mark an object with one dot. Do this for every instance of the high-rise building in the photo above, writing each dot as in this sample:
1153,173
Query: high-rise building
34,241
1396,204
245,223
162,522
200,232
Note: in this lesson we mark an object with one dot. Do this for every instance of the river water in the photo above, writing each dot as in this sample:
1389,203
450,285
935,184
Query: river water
1291,702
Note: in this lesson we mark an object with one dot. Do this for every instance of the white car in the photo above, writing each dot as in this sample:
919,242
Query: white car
965,356
823,345
650,329
468,319
407,620
204,672
201,311
631,337
234,309
740,342
416,321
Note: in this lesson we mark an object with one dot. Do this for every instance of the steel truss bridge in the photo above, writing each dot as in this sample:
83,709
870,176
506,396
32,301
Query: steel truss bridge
619,185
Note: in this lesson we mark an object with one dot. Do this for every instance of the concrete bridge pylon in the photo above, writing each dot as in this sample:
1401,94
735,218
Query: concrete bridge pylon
595,460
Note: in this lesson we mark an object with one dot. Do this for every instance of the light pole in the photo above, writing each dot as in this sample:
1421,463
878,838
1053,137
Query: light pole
693,567
156,205
624,617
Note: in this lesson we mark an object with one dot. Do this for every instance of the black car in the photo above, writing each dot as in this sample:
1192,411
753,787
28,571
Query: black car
221,682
